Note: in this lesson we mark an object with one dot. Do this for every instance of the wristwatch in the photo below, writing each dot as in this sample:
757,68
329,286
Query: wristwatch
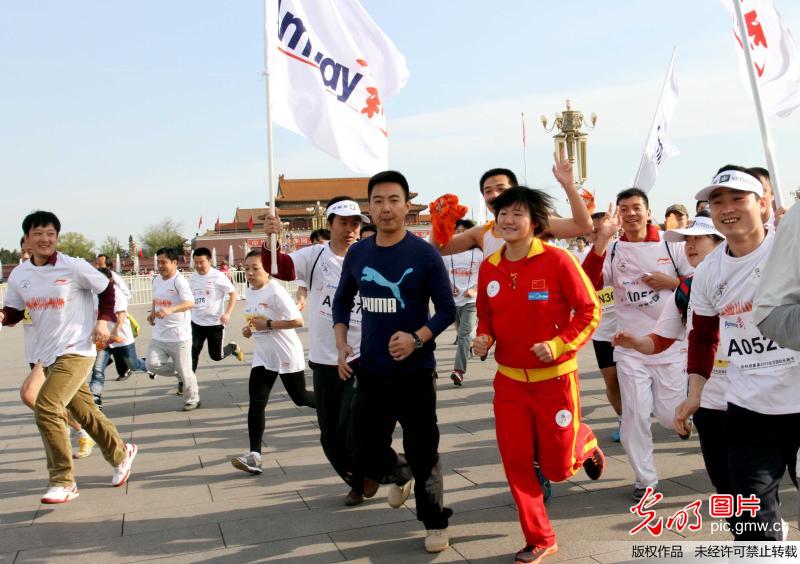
269,324
417,341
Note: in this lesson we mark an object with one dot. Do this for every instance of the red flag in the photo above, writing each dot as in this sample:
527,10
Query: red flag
141,254
250,222
216,225
200,223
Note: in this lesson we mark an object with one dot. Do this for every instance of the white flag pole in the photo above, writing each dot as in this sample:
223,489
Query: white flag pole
766,138
269,21
655,116
524,150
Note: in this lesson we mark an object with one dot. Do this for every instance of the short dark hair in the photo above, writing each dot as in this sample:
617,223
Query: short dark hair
512,178
106,272
697,205
465,223
253,253
368,228
40,218
538,203
168,252
105,256
737,168
598,215
633,193
323,234
582,238
388,176
202,252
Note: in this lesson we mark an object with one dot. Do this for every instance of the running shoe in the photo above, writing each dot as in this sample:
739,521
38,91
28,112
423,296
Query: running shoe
353,498
457,377
534,554
247,463
123,471
85,446
398,494
128,374
191,405
639,493
237,351
595,464
61,494
370,487
436,540
180,388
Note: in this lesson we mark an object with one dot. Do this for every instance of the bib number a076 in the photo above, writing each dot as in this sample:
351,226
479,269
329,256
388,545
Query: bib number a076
752,345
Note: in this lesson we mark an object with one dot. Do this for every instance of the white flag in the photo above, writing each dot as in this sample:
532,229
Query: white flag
775,57
659,147
331,71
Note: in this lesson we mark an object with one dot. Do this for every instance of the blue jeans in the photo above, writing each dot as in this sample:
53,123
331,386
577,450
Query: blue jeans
124,359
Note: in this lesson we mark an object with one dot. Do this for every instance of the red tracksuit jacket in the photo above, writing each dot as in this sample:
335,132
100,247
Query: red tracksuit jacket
545,297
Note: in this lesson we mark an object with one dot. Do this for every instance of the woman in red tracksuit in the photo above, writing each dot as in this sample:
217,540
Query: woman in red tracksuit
537,305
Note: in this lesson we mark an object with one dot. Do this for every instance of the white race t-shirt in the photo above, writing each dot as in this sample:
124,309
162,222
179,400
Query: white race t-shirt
175,327
125,331
209,290
278,350
59,300
637,305
322,280
670,325
462,270
120,286
762,376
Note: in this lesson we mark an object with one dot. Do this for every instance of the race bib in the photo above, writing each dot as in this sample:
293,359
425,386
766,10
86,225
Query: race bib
749,350
606,297
637,293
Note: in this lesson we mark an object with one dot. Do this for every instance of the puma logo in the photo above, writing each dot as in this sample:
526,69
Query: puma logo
369,274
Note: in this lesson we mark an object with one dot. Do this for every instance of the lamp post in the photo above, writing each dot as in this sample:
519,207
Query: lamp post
571,137
317,216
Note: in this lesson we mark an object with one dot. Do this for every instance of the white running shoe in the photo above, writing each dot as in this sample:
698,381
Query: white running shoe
247,463
436,540
61,494
398,495
123,471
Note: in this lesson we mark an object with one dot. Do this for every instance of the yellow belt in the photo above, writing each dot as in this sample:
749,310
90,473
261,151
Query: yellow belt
538,374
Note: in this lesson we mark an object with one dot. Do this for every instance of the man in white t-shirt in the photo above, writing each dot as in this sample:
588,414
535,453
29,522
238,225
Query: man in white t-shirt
210,315
644,271
462,269
319,267
170,351
763,394
57,291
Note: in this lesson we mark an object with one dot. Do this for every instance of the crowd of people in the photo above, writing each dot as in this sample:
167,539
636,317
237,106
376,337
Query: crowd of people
695,322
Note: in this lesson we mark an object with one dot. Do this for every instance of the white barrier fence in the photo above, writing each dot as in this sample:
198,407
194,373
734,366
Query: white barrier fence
141,287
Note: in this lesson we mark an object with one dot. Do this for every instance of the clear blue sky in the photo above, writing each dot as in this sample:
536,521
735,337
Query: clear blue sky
118,114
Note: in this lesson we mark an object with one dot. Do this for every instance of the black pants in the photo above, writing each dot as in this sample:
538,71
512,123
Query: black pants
214,335
382,400
711,428
334,409
261,382
761,447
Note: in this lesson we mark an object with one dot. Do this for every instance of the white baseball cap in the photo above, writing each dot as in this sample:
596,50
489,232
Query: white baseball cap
346,208
698,226
733,179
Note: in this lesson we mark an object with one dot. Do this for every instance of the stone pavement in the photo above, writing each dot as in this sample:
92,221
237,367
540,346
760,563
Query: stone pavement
186,503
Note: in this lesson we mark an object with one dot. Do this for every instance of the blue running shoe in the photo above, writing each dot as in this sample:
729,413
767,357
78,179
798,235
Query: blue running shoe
544,483
615,435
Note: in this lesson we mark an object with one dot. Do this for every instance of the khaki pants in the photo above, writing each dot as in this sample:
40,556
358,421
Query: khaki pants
65,389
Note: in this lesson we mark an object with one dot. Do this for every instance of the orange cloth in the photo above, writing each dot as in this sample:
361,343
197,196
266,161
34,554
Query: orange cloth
445,211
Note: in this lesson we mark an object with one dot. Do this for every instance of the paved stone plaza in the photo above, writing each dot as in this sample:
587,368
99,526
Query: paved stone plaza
186,503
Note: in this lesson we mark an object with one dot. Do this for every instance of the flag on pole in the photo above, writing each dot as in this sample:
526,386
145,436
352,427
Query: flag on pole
659,147
331,71
775,56
200,223
250,222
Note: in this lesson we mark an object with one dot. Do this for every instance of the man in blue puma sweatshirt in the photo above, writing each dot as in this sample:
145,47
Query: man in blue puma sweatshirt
396,274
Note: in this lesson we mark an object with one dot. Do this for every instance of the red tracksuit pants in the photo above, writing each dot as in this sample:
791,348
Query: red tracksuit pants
539,421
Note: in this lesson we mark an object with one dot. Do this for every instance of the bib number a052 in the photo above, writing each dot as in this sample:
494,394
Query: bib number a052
749,350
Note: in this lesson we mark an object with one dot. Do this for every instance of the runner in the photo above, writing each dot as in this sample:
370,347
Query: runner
57,292
537,397
762,394
272,317
601,339
644,270
462,268
397,274
319,267
121,346
210,287
170,352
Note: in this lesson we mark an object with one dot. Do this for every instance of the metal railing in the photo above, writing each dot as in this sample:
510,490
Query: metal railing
141,286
